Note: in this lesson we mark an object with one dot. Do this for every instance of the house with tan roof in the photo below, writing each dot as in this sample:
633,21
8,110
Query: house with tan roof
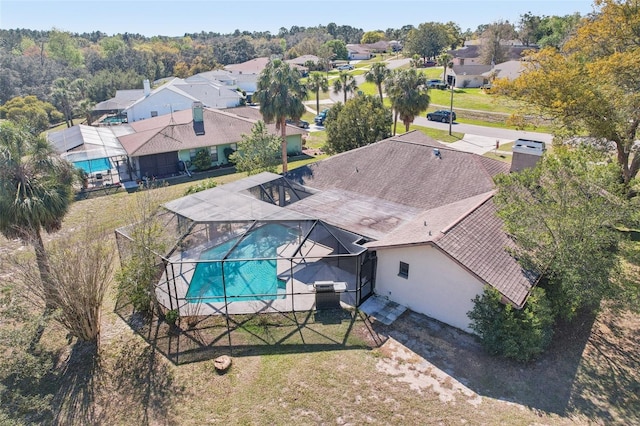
166,145
407,219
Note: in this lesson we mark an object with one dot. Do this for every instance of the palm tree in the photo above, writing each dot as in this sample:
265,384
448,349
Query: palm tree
317,82
377,74
35,190
409,95
64,94
445,61
345,83
280,94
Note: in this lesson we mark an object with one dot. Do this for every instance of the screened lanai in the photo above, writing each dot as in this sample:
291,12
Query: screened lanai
236,249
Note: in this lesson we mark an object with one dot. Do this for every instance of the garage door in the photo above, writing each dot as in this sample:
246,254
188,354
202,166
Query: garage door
159,165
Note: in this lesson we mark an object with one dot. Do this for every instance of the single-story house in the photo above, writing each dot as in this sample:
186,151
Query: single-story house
406,218
179,94
509,70
358,52
468,75
166,145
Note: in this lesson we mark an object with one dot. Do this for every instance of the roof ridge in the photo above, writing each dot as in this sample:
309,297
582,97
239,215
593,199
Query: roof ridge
453,224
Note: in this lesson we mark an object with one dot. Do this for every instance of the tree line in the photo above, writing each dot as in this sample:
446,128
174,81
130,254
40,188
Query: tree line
42,63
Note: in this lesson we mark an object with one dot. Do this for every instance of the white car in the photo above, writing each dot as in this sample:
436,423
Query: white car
345,67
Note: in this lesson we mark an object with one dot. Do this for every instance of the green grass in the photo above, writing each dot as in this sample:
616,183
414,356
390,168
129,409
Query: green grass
440,135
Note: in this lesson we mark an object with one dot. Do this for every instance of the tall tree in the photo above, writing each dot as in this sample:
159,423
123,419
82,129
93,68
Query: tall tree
315,83
445,60
31,111
257,152
280,95
360,121
409,95
592,86
428,40
345,83
492,50
35,190
563,216
376,74
64,95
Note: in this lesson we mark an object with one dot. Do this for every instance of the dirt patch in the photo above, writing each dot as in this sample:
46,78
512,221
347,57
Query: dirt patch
590,373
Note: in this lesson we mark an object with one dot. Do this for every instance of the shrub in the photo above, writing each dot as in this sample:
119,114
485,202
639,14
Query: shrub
228,151
201,186
202,160
520,334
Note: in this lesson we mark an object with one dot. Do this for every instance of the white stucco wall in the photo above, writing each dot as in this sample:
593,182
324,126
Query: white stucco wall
164,102
437,286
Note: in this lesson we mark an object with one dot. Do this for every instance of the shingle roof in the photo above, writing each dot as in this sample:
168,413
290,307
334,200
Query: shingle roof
174,132
404,170
253,66
399,193
479,243
471,69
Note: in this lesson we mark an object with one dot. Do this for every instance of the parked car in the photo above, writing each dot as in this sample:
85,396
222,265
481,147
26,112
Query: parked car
430,64
300,123
436,83
345,67
441,115
319,119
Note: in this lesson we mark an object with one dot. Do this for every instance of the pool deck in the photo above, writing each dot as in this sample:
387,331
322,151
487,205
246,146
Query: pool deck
299,273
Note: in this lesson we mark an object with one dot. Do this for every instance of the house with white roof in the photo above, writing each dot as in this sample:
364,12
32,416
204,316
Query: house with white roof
179,94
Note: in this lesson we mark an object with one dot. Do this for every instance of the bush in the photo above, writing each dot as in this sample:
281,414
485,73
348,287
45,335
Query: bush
202,160
520,334
201,186
228,151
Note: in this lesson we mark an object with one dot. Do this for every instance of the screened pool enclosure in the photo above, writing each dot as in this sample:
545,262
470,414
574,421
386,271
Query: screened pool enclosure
237,249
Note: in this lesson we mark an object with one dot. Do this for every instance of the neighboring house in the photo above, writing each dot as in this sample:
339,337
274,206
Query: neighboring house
179,94
470,53
300,63
164,145
509,70
358,52
95,150
122,100
247,74
468,75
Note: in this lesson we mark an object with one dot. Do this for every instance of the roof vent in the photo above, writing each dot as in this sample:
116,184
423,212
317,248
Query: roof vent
436,153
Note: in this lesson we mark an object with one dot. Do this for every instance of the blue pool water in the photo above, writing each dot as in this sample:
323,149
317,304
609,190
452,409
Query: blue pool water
244,280
95,165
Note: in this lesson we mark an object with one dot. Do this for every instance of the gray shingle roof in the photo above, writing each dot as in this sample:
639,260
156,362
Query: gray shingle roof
399,193
479,243
404,170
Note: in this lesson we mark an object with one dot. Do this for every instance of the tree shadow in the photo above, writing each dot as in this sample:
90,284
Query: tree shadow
546,384
141,388
74,400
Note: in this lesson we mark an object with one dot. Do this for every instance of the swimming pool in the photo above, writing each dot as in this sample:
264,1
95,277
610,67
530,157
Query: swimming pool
245,280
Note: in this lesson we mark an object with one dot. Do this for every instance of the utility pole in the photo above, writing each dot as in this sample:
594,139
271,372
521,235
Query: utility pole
451,106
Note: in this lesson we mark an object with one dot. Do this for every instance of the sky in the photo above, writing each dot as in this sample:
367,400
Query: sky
175,17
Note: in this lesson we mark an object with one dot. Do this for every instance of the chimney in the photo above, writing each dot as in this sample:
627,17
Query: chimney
197,110
526,154
147,87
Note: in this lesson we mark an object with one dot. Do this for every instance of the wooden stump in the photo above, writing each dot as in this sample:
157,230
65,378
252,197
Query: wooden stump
222,363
